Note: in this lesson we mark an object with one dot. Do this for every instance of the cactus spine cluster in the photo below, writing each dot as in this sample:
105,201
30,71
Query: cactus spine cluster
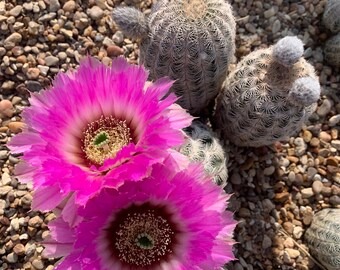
203,146
269,96
323,238
191,41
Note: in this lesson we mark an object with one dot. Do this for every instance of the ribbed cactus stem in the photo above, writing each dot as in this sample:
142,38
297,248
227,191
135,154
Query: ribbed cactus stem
131,22
305,91
190,41
288,50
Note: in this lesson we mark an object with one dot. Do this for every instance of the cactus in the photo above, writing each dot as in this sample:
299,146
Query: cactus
191,41
323,238
203,146
331,18
332,50
268,97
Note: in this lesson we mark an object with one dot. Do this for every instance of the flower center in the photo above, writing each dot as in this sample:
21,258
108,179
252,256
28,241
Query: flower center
104,138
141,236
144,241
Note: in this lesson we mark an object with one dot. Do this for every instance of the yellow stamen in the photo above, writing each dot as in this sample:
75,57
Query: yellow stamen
104,138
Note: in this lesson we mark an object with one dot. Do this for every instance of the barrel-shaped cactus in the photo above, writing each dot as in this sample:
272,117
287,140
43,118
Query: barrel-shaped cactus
332,50
323,238
268,97
191,41
331,18
202,145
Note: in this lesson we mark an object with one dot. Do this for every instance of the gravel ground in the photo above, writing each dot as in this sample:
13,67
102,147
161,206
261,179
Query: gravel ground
276,189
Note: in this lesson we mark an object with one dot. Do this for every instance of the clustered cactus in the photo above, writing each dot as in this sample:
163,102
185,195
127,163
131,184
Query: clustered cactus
323,238
202,145
269,96
331,19
191,41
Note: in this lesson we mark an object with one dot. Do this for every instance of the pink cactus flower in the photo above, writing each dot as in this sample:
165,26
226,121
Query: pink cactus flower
169,221
96,127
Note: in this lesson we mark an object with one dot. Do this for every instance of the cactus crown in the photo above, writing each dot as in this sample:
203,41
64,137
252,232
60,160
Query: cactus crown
288,50
305,91
131,21
194,9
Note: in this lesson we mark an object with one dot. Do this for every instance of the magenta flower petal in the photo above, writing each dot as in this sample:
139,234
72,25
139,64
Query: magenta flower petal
171,220
97,127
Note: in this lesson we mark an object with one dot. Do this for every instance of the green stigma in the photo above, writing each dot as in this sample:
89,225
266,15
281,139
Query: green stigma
145,241
101,139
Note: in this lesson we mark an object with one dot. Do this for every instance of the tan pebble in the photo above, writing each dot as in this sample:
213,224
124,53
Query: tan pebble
106,61
16,127
19,249
322,171
307,218
293,253
69,6
307,193
114,50
291,151
314,142
6,108
293,159
289,243
288,226
325,136
334,133
307,136
317,186
22,59
281,197
33,73
16,100
332,161
3,129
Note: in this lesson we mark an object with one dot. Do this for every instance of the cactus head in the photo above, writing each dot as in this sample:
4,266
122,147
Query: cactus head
305,91
131,22
288,50
192,42
268,97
